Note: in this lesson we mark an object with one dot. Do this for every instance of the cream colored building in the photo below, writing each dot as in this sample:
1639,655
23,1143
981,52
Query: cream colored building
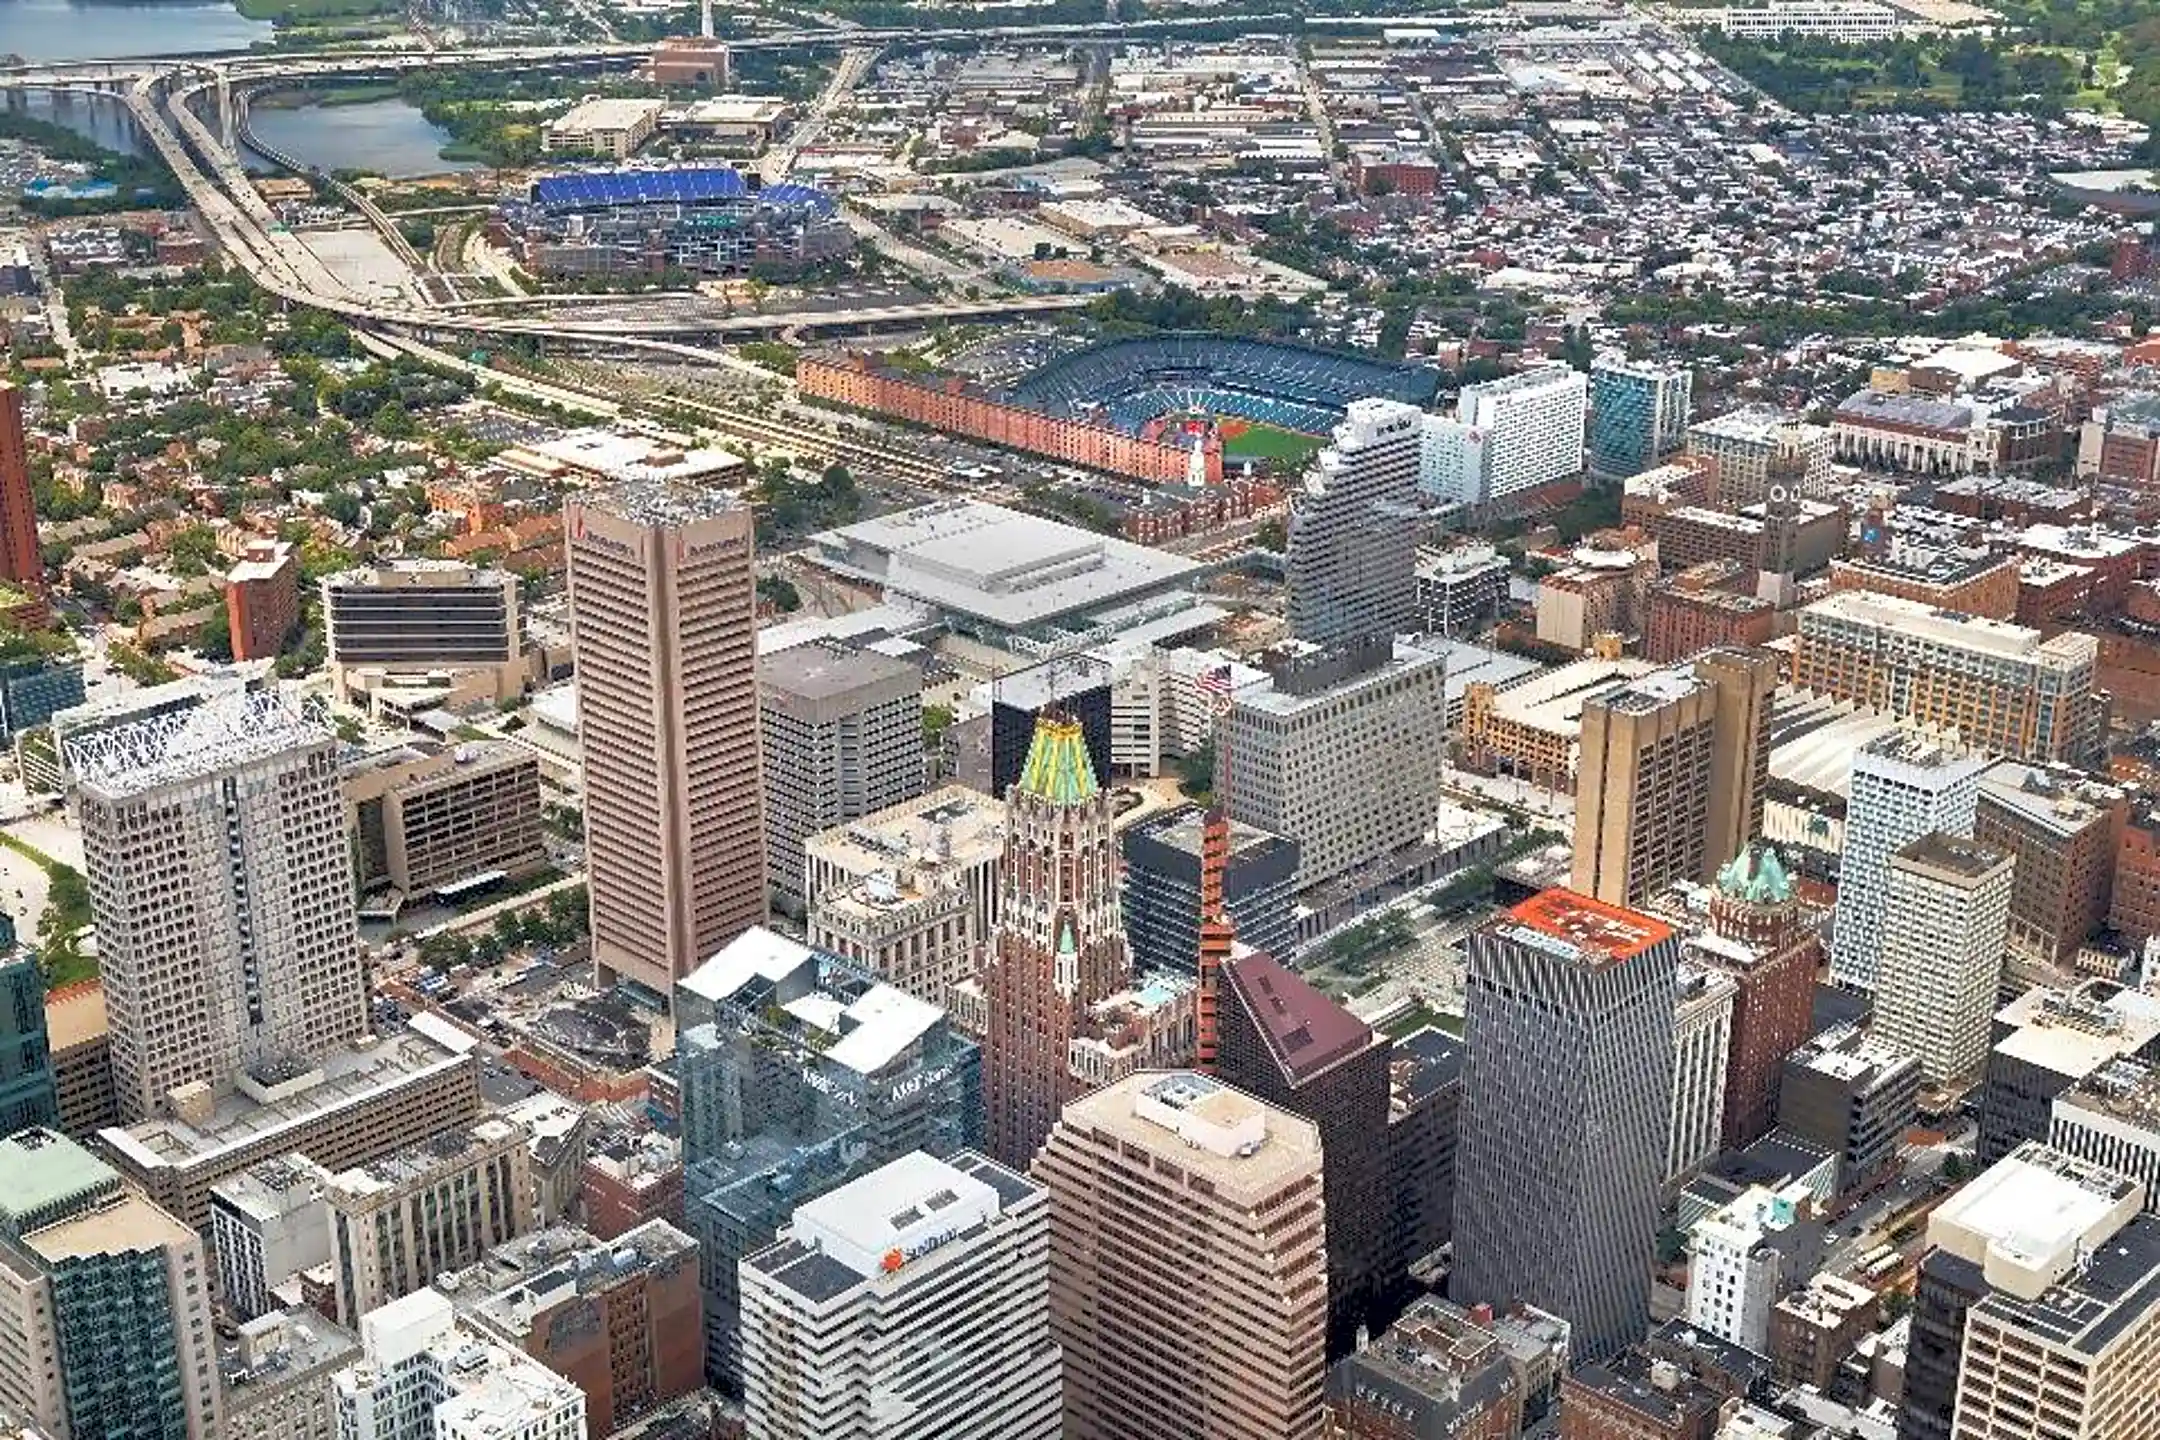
221,880
1944,936
614,128
664,617
1188,1264
2069,1328
399,1221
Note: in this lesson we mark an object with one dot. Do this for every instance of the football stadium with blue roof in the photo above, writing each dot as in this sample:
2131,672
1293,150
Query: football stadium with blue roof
707,220
1131,383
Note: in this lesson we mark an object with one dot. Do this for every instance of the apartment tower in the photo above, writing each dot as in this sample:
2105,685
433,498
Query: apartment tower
1188,1262
1560,1158
921,1257
1352,553
20,561
1670,784
1059,947
105,1309
663,607
221,879
1943,946
1904,786
1638,414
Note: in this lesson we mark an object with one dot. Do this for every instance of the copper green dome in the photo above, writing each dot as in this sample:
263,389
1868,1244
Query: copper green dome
1757,876
1058,768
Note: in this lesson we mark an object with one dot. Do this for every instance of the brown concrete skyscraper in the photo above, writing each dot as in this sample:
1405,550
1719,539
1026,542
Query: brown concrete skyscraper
1188,1262
19,558
1059,947
663,608
1670,784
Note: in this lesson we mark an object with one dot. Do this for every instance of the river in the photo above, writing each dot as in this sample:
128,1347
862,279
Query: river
44,30
388,137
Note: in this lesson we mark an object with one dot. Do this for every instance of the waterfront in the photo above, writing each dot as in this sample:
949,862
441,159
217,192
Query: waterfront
48,30
387,137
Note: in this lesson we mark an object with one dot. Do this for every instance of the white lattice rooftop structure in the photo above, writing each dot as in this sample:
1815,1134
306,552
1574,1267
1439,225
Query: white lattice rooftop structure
223,732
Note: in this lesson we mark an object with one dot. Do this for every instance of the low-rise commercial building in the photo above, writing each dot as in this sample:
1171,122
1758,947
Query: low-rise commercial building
426,1374
621,1319
349,1105
1854,1097
277,1371
2049,1041
1435,1371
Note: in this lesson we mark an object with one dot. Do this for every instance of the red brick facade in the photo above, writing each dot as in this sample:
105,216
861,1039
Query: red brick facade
947,404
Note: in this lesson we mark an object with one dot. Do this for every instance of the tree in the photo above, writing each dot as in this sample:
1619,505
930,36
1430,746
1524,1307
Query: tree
214,638
1272,535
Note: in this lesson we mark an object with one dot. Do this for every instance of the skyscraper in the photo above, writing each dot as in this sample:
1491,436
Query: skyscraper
105,1323
1188,1268
1903,787
1943,947
1352,552
1639,414
798,1072
1670,784
1758,937
1561,1154
663,607
20,561
1059,946
221,880
843,737
27,1093
1532,424
1293,1047
921,1257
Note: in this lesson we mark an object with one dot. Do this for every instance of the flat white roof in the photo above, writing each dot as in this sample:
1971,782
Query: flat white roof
898,1206
996,564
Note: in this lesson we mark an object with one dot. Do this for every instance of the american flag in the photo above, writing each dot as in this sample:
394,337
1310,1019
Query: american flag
1215,684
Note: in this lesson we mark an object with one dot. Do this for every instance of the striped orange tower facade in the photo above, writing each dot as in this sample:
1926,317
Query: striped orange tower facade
1216,930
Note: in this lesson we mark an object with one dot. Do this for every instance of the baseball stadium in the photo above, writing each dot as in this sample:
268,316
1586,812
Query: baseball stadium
1141,407
708,221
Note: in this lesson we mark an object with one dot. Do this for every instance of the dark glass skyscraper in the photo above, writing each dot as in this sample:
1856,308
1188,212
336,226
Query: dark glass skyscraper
1566,1090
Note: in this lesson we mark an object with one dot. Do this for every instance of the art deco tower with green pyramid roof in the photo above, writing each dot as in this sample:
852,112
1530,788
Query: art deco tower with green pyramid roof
1059,947
1760,936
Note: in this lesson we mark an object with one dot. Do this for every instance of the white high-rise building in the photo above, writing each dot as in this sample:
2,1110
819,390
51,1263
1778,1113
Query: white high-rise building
221,880
1747,1256
910,1304
1533,426
1943,946
1702,1051
1904,786
423,1374
1352,556
1453,461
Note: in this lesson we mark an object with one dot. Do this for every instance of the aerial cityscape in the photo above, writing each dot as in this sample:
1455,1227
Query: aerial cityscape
1079,720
